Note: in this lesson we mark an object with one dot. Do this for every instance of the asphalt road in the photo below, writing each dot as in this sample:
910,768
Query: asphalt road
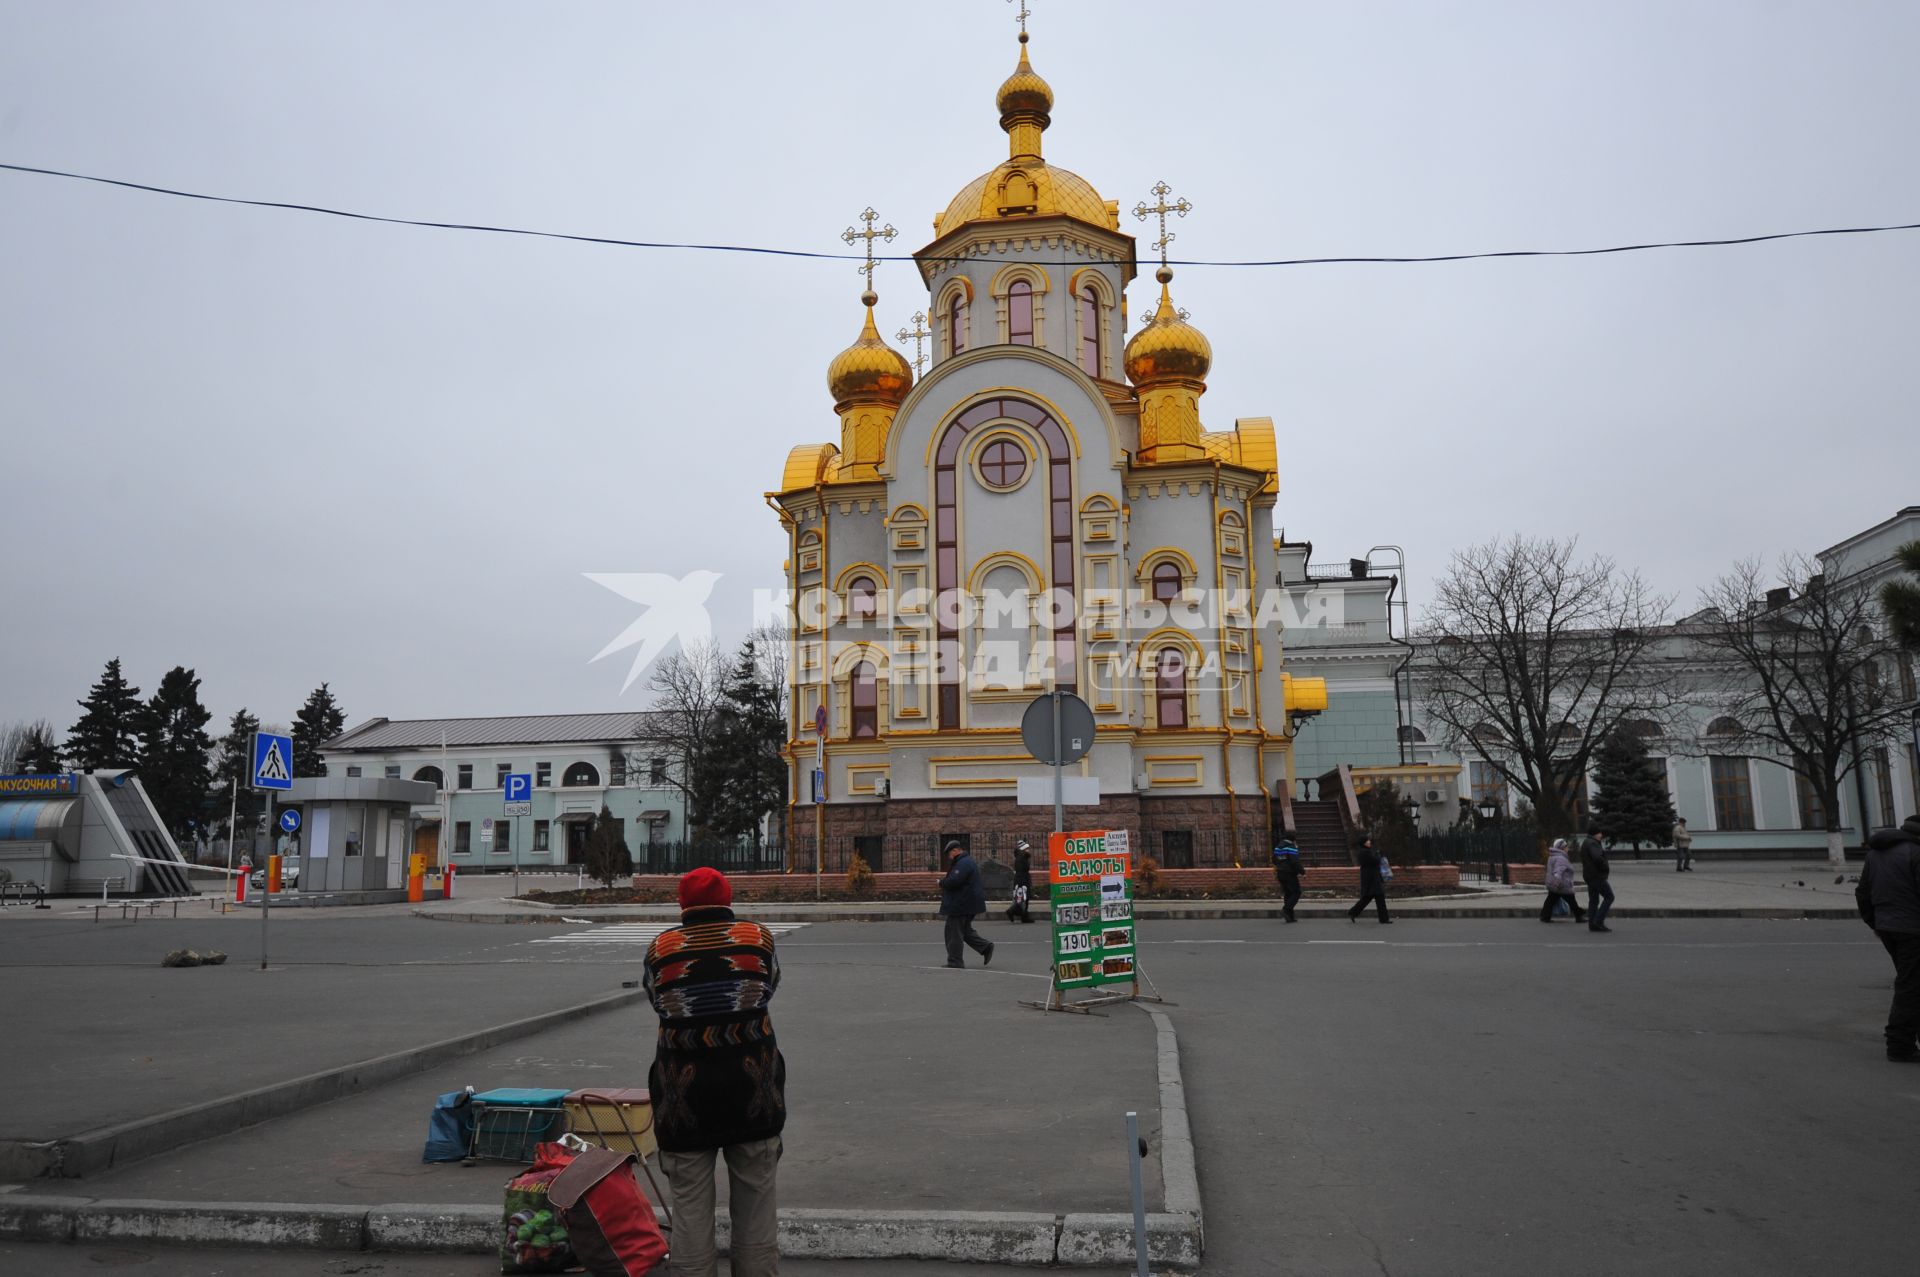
1443,1096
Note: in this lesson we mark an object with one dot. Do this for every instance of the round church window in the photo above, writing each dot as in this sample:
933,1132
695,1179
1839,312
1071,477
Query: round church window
1003,464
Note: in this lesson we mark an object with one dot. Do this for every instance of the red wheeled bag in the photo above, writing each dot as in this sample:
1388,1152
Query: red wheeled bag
610,1222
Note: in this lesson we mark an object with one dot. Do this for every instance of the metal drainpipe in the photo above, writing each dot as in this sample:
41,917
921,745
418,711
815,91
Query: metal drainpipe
1226,718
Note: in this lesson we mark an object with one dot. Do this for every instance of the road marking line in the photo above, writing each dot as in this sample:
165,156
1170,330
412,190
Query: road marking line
641,933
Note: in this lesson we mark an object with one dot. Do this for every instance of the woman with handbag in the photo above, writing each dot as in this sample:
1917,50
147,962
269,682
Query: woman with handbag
1559,879
1373,880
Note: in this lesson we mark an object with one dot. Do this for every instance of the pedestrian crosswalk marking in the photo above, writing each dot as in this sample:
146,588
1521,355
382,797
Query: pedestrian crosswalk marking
640,933
273,767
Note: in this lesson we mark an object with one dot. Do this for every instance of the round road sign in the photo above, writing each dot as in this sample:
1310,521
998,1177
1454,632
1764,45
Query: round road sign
1076,729
290,820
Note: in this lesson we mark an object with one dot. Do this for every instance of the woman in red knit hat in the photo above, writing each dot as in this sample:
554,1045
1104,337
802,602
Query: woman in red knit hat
718,1079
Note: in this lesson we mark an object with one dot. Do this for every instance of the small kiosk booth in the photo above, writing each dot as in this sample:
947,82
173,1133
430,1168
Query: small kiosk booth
355,831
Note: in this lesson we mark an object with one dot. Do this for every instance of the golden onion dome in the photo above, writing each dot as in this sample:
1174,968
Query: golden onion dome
869,370
1025,185
1168,348
1024,93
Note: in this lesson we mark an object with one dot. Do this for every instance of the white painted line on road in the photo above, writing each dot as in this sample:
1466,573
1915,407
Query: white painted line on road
641,933
1332,942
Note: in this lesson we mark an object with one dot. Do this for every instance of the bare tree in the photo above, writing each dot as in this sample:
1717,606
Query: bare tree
1807,672
1532,659
27,746
685,690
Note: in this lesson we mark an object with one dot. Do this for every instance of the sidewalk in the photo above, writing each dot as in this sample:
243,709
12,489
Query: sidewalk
1643,889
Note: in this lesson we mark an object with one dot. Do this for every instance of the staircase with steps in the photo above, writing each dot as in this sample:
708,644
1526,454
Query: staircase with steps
1321,834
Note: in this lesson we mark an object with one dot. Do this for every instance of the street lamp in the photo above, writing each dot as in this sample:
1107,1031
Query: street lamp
1489,812
1488,809
1413,810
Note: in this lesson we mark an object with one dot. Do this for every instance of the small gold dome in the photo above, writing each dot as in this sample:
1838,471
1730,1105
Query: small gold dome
1024,93
869,370
1168,348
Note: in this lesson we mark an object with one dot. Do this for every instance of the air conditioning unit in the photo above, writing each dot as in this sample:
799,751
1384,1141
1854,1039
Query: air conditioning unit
1435,796
1141,783
881,786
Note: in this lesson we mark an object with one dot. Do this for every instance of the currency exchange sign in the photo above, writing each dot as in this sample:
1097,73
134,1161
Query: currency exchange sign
1092,892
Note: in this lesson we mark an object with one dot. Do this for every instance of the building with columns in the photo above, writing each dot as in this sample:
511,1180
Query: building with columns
1044,508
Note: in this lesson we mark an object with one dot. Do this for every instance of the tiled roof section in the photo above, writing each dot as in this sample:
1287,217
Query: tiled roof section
536,729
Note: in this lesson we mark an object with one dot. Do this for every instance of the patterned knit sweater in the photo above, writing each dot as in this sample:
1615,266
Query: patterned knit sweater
718,1077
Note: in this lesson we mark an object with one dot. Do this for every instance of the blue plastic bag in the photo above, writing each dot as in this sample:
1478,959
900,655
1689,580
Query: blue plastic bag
450,1127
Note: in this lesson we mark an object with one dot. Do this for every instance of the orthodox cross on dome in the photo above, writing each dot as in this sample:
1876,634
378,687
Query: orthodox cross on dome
1160,209
885,233
1023,15
917,334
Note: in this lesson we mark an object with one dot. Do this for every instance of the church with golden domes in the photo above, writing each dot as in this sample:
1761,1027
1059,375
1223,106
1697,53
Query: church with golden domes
1043,508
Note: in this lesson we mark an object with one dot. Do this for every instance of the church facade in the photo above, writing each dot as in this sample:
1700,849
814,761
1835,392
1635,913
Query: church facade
1043,508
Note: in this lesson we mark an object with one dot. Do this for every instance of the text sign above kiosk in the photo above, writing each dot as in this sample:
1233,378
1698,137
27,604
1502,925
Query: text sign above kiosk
1092,894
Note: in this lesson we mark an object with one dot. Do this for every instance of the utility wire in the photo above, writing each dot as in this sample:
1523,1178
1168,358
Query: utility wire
904,257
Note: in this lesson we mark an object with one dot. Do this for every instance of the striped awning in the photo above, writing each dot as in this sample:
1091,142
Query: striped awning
39,820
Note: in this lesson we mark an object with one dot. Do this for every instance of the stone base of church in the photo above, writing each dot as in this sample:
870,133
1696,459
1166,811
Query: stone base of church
1195,830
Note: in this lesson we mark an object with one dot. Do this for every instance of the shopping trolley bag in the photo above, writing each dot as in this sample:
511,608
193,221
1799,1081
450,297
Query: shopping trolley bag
609,1221
534,1236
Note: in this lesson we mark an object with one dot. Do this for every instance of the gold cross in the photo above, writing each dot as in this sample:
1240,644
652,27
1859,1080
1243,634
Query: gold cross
885,233
1143,211
1025,13
916,335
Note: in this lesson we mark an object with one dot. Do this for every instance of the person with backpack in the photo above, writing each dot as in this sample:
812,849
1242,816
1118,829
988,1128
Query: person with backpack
1560,882
1595,868
1022,882
1287,870
1373,880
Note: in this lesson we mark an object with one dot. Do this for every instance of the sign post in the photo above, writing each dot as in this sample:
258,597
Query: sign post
517,790
1094,946
272,772
819,791
1057,728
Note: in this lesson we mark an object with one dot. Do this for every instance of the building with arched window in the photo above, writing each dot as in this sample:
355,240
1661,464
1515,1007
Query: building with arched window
577,763
1042,508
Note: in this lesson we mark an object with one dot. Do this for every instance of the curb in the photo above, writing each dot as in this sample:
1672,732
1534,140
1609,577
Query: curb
979,1237
1198,911
100,1149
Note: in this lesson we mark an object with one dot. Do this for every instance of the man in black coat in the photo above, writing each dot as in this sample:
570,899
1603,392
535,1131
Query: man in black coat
963,897
1286,869
1889,901
1594,866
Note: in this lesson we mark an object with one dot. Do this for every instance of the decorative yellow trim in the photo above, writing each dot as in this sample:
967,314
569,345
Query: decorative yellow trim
959,409
907,512
1168,770
871,771
853,654
1006,558
1173,553
1020,433
1097,503
1004,278
1092,275
874,570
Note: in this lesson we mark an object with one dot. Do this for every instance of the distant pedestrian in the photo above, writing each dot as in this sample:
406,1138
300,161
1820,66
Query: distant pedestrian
1287,869
1889,900
718,1078
1373,880
1022,882
1595,868
1560,882
963,897
1682,846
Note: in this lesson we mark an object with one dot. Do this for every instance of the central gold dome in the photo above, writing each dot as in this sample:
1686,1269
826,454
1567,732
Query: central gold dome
1025,185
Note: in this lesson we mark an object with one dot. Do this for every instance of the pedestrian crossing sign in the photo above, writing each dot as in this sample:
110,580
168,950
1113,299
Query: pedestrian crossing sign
272,761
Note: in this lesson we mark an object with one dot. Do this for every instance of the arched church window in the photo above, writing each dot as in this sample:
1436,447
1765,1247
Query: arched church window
1020,313
1089,331
1166,581
862,603
432,776
1003,463
956,324
581,776
865,700
1170,688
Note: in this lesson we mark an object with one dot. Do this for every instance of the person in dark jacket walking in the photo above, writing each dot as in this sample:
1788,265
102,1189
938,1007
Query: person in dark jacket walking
1373,882
1286,868
1889,901
718,1079
963,897
1594,866
1022,882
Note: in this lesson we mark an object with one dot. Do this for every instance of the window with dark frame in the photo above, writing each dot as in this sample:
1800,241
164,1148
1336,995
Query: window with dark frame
500,773
865,701
863,603
1003,463
617,769
1813,812
1090,331
956,324
543,775
464,775
542,836
1732,792
1176,848
463,838
431,775
657,771
580,776
392,771
1020,313
353,770
1170,688
1167,581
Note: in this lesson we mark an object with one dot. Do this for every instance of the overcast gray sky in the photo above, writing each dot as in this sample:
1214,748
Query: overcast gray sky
283,448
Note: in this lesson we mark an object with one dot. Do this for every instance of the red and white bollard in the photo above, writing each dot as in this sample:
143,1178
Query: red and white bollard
446,882
240,884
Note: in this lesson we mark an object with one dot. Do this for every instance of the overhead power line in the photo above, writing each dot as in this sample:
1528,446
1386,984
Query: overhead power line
684,246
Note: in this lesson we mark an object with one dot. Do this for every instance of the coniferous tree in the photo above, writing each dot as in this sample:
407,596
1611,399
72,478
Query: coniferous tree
319,721
1631,801
606,857
108,733
235,762
739,775
176,752
1900,599
39,752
